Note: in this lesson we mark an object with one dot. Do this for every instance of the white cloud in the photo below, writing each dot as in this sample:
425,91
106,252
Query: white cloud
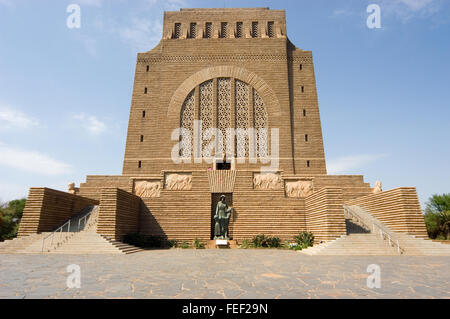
407,9
10,118
31,161
93,3
348,163
415,4
142,34
91,123
10,191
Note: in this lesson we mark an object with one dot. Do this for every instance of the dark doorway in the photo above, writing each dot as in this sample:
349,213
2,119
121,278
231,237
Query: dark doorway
215,198
223,166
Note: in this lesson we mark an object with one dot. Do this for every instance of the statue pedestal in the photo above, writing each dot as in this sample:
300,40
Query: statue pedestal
221,244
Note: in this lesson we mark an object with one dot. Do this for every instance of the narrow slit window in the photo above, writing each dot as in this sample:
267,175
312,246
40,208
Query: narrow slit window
238,29
304,112
177,31
303,89
143,113
270,32
255,29
142,138
139,164
306,137
224,30
145,91
208,30
301,67
193,30
148,68
308,163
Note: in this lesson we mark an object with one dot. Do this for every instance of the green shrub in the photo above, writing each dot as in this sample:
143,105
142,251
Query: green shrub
261,240
274,242
245,244
143,241
296,247
304,239
10,215
437,216
173,243
184,245
198,244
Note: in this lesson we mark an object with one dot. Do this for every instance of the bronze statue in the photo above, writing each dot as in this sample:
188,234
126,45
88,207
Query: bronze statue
222,218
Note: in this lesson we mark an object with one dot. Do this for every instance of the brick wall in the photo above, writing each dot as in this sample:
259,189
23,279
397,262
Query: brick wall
119,213
46,209
325,214
398,208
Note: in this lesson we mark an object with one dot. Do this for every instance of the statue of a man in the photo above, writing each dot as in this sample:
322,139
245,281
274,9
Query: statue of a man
222,218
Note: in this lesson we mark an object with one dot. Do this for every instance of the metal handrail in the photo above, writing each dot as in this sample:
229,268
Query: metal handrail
60,229
384,234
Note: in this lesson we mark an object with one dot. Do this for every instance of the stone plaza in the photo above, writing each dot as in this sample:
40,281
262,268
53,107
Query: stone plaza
244,274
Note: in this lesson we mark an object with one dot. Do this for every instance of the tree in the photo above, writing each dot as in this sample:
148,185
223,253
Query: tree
437,216
10,215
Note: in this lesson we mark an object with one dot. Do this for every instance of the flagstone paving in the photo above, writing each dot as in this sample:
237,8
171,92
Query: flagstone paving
222,274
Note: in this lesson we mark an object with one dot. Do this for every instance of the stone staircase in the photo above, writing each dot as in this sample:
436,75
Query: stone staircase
362,241
18,244
86,242
81,239
422,247
353,244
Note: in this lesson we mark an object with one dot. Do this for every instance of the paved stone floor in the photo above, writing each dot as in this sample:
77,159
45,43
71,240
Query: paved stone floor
222,274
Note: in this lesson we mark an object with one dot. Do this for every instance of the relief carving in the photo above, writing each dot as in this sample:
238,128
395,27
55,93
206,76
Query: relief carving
146,189
299,189
269,181
179,182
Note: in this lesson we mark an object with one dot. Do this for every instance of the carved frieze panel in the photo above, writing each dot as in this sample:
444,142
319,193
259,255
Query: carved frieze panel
147,188
267,181
178,181
299,188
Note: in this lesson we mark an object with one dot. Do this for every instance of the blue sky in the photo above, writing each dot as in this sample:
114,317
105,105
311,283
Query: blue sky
383,93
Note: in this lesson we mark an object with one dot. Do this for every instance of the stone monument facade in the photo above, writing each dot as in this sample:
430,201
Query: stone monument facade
235,75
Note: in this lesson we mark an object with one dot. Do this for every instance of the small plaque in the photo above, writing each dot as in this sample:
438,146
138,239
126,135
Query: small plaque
222,242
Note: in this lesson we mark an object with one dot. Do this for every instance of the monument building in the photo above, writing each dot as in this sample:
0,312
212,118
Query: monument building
226,105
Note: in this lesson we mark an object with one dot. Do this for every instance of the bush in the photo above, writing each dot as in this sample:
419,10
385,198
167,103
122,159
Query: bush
184,245
437,216
274,242
265,241
259,241
173,243
296,247
198,244
10,215
245,244
143,241
304,239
